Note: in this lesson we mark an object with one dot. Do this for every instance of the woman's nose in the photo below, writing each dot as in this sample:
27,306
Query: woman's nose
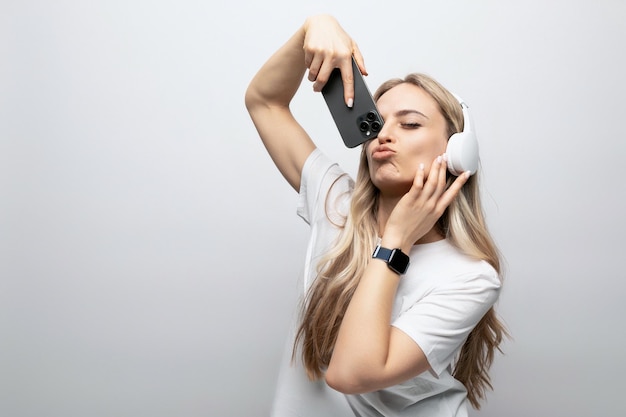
384,136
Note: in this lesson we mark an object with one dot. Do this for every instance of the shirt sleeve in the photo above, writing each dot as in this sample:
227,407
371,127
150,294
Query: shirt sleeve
441,321
321,190
323,203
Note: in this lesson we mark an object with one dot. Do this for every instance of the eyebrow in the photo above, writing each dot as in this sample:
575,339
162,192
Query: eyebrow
410,111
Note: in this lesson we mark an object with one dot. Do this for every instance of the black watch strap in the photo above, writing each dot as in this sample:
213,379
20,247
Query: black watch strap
396,260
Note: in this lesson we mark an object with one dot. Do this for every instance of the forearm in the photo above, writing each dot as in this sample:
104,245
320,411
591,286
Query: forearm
361,352
279,78
369,353
267,100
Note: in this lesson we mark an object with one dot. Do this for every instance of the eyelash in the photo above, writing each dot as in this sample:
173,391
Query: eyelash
411,125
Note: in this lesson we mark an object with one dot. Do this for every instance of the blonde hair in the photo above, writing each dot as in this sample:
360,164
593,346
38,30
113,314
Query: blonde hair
339,271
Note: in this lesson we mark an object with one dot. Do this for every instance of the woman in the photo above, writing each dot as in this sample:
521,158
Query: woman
374,340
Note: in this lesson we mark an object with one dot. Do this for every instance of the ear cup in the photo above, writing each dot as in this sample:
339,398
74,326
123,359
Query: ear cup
462,149
462,152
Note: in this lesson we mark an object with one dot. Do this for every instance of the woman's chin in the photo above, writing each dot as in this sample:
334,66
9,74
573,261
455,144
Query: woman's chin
392,185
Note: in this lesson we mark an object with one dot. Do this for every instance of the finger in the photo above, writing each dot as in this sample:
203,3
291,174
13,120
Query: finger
358,57
450,194
433,177
314,66
347,77
418,182
443,171
326,67
308,57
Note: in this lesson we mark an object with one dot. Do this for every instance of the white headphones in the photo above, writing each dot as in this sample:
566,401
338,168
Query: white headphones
462,149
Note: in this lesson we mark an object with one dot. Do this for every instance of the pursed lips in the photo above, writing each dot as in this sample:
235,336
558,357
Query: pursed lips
382,152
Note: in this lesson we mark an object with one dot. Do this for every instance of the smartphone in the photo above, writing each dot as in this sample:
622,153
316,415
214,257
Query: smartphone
356,124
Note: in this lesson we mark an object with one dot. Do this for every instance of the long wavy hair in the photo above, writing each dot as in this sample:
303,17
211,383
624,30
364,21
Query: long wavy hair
339,271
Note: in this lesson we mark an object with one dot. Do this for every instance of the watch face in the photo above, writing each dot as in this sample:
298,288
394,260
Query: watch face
398,261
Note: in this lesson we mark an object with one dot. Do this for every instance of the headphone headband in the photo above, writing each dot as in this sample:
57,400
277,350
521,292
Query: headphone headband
468,126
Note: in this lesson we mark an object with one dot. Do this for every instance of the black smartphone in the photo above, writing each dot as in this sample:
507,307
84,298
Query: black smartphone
356,124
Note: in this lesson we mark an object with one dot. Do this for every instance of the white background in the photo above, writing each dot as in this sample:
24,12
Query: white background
149,249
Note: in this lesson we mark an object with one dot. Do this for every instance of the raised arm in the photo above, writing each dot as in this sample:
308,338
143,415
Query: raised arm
319,45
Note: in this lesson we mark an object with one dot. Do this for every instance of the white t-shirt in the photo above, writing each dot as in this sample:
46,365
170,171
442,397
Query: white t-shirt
440,299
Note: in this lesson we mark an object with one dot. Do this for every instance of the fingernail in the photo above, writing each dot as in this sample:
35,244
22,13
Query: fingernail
467,174
439,159
350,102
445,157
421,166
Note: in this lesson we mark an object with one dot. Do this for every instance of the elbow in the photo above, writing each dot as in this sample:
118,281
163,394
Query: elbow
250,98
343,385
256,103
255,96
345,381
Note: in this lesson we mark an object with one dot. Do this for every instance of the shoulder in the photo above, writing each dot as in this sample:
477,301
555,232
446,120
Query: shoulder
324,184
318,165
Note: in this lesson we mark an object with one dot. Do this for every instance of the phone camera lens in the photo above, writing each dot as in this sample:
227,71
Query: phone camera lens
371,116
375,126
364,126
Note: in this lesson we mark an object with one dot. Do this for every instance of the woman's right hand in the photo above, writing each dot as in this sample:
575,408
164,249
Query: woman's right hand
327,46
319,46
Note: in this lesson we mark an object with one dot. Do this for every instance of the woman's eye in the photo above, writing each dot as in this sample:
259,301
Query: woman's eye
411,125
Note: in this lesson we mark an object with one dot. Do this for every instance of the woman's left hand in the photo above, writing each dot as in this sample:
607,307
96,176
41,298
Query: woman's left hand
419,209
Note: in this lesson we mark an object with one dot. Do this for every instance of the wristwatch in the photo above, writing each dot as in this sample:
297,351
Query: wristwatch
396,260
